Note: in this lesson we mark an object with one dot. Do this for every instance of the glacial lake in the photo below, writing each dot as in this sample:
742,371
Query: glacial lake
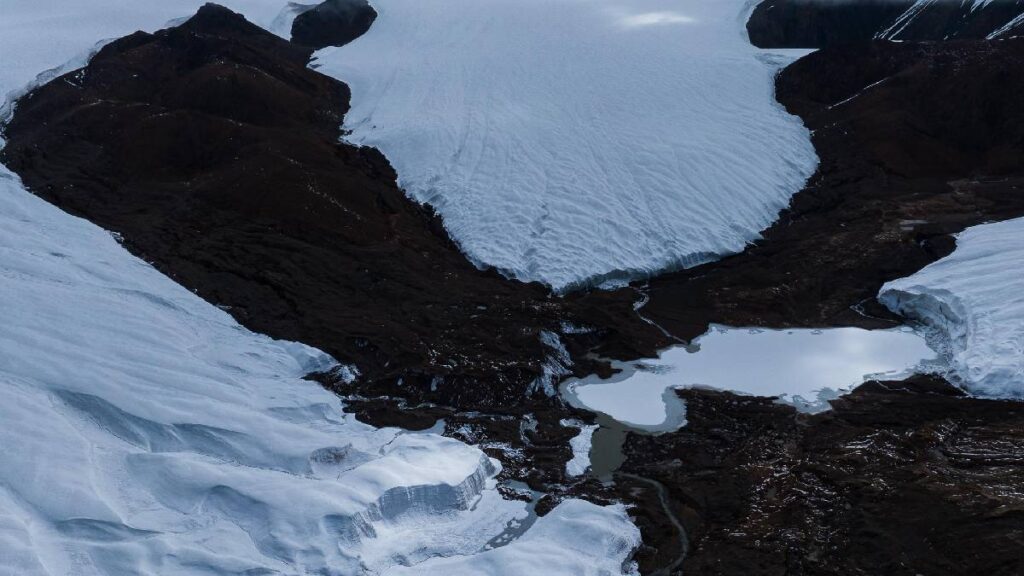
802,367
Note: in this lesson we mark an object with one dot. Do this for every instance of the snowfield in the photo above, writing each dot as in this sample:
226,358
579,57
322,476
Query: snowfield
143,431
576,141
972,303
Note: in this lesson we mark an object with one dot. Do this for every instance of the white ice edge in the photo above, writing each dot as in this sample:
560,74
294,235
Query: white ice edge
972,304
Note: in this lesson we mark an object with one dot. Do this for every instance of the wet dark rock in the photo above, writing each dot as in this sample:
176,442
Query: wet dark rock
899,478
333,23
820,23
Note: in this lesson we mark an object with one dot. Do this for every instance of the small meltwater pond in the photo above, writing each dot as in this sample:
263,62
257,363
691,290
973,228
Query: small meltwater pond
805,368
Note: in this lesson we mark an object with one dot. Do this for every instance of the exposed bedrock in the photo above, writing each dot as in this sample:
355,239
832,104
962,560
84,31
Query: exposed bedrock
900,478
820,23
917,141
333,23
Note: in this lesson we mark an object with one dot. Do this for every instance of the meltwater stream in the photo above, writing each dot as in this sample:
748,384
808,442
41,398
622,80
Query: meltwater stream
802,367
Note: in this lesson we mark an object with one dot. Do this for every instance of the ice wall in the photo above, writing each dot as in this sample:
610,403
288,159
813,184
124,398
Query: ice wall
574,141
972,302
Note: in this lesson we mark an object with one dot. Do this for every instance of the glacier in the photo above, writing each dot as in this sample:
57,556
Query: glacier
143,431
577,142
971,304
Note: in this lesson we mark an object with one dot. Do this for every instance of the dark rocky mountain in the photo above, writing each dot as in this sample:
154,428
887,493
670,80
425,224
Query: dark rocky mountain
818,23
899,478
333,23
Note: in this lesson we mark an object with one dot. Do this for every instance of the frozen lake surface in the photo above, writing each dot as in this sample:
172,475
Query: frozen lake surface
802,367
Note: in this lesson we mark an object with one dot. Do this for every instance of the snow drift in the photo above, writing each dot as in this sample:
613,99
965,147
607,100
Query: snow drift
571,141
972,303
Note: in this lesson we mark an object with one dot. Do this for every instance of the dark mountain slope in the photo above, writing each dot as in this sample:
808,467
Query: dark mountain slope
917,141
214,151
820,23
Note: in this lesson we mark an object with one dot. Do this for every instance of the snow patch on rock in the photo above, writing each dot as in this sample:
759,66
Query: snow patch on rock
580,444
558,543
557,364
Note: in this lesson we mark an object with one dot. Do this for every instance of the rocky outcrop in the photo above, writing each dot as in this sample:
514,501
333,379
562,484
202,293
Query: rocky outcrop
820,23
333,23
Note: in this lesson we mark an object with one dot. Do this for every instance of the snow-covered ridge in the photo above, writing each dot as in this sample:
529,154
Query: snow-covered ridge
972,302
143,430
572,141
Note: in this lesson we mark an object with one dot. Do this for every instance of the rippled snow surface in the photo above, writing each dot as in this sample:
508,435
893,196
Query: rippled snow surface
802,367
576,141
973,303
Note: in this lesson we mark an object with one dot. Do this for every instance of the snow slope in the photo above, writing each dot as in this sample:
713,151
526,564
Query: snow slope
143,431
973,303
575,141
